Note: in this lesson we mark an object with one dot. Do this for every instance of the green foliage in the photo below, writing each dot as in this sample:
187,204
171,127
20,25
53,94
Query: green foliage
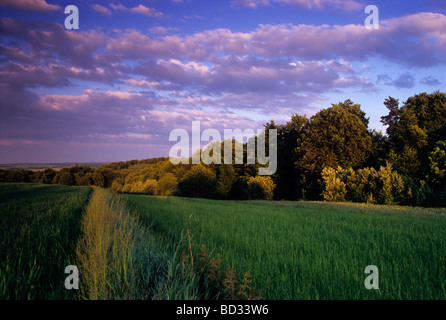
392,118
420,125
260,188
287,177
406,161
150,186
199,182
336,136
383,186
226,178
64,177
167,184
437,164
335,189
46,176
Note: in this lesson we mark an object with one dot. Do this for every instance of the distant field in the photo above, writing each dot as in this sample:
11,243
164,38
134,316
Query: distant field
306,250
43,166
39,228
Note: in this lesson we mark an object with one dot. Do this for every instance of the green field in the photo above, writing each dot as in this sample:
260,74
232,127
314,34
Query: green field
304,250
39,228
293,250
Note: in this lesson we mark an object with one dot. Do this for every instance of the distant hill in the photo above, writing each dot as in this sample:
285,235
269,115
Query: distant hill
43,166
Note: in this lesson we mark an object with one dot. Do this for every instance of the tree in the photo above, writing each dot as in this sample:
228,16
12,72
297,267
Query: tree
287,176
437,165
336,136
64,177
98,179
421,123
150,186
47,176
167,184
392,118
379,151
226,178
199,182
334,189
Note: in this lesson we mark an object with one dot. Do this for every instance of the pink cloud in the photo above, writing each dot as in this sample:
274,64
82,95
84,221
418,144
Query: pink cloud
306,4
140,9
101,9
394,41
12,142
29,5
250,3
322,4
149,12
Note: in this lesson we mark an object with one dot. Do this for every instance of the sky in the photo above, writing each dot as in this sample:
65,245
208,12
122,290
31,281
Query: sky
133,71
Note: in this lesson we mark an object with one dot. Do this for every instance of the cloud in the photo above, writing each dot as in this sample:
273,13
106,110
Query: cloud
140,9
101,9
348,5
384,79
158,79
430,81
149,12
277,58
405,80
412,40
249,3
15,54
29,5
322,4
137,119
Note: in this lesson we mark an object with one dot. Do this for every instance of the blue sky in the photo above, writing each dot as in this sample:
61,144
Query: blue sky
115,88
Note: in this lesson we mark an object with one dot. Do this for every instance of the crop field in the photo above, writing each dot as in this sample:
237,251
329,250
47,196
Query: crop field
44,228
305,250
128,246
39,228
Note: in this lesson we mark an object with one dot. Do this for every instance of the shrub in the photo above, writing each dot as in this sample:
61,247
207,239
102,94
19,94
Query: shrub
384,190
199,182
167,184
261,188
224,283
150,186
362,185
383,186
335,190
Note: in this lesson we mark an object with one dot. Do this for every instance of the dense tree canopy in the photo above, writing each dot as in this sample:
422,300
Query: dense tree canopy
336,136
420,124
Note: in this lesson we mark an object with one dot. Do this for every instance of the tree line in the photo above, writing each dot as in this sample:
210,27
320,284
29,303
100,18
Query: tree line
331,156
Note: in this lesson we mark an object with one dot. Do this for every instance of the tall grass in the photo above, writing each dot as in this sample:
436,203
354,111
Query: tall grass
120,259
313,251
39,228
142,247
